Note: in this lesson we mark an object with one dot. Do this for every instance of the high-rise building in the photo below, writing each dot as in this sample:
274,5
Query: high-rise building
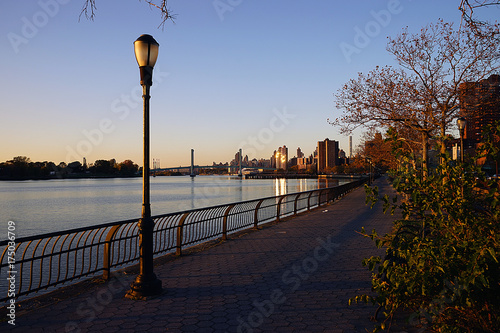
281,158
265,163
273,160
480,105
300,154
302,163
328,154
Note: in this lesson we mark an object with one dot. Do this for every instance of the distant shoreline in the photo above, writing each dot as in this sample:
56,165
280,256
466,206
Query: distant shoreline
68,177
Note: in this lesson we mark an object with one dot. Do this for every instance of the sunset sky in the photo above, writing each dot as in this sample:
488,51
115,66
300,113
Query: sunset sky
251,74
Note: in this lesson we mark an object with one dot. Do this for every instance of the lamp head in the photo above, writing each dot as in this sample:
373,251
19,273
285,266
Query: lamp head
461,123
146,53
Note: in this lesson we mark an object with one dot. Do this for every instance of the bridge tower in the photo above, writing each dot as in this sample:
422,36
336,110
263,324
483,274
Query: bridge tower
192,174
240,172
350,146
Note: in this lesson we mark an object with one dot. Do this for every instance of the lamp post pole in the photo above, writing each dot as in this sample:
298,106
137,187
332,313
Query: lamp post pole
461,122
462,146
369,160
146,283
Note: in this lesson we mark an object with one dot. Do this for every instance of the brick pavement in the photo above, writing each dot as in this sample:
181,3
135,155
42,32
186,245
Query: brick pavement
294,276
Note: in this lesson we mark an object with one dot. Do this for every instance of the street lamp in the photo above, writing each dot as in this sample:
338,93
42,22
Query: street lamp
146,283
461,123
369,160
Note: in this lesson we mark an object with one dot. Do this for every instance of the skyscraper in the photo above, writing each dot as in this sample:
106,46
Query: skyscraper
328,154
300,154
273,159
281,158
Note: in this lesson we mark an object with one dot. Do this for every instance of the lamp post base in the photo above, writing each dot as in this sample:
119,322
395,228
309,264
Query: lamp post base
144,286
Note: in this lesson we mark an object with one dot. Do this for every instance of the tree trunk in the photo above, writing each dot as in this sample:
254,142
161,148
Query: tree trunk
442,143
425,148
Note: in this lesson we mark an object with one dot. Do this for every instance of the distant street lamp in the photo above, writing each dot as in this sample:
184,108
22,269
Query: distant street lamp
146,283
461,123
369,160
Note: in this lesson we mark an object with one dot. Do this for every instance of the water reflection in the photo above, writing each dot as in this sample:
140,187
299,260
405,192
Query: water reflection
192,193
284,186
302,185
327,182
280,185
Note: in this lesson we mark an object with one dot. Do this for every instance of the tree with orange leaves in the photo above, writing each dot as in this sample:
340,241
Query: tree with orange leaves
422,93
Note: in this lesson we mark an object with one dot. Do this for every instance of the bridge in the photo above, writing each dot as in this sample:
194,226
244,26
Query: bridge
192,168
188,168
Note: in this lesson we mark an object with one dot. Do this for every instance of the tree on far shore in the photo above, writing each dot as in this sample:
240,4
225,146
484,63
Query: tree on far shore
22,168
127,168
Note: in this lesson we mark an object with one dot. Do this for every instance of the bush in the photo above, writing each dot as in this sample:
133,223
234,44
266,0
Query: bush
442,258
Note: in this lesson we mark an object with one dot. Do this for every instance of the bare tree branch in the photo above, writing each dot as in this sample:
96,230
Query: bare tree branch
468,9
89,9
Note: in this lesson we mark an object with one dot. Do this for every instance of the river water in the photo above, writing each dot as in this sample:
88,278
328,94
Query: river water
38,207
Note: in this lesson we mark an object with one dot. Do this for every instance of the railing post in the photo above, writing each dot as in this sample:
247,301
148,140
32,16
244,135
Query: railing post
278,208
180,234
256,215
327,195
107,260
295,204
319,198
309,201
336,193
331,195
224,222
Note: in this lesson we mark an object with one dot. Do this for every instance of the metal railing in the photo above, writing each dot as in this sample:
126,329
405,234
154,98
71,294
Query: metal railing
44,261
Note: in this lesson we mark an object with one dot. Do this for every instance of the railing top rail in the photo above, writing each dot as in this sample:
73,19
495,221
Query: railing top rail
112,224
241,202
68,231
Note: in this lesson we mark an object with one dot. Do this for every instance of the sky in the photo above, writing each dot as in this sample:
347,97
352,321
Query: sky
231,74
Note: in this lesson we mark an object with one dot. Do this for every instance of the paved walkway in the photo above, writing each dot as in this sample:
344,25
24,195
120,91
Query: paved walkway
295,276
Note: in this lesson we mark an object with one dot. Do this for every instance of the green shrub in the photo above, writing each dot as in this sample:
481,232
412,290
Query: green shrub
442,257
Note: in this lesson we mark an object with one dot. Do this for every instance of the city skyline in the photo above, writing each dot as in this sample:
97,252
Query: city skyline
71,89
246,160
